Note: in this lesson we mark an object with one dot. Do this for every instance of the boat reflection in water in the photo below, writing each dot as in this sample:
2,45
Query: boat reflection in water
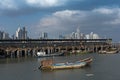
49,65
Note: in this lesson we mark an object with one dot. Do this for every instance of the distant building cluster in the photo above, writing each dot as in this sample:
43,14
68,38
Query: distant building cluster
79,35
92,36
21,33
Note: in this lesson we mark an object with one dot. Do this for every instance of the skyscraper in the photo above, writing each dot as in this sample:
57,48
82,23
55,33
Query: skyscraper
1,35
91,35
78,33
73,35
24,33
44,35
21,33
5,35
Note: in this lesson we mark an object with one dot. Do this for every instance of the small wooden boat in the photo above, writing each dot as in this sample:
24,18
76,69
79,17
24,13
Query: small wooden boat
48,64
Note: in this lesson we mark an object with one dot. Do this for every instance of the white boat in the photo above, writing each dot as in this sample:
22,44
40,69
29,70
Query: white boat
43,54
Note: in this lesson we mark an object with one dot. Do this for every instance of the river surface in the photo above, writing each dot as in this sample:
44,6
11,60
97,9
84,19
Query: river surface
103,67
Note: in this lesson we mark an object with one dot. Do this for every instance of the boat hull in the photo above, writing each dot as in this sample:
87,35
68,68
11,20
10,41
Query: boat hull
77,64
50,55
108,52
67,66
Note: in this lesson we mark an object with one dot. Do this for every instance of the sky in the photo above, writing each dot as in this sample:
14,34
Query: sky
61,17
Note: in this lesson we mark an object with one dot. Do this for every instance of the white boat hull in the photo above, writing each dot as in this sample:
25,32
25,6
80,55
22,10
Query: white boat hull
43,54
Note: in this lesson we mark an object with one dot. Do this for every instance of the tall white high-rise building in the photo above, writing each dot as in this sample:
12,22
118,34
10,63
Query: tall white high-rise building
91,35
44,35
5,35
21,33
24,33
87,36
78,33
73,35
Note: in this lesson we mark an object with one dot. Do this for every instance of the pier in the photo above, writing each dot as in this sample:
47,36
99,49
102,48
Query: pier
29,47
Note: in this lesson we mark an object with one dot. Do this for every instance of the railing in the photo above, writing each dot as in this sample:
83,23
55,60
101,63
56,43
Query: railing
53,42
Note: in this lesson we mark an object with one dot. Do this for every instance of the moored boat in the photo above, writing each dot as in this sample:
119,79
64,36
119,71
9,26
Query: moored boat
49,65
108,52
43,54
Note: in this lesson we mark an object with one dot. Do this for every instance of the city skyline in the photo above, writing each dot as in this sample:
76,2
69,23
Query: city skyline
61,16
22,33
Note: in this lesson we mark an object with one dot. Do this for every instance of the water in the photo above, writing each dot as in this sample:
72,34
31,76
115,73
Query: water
103,67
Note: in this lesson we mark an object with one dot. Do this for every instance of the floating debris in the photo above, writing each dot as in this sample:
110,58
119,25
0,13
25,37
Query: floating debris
89,75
